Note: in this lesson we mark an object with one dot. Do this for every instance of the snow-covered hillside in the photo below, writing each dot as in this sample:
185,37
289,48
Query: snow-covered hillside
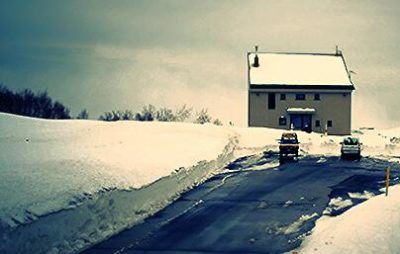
94,179
47,161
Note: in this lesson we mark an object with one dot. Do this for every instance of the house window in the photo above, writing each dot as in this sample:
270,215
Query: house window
300,97
271,101
317,97
317,123
330,124
282,121
283,97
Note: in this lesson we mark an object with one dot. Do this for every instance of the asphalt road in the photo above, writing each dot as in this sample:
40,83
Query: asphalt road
251,208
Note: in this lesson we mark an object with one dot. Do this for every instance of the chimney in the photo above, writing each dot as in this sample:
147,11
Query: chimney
256,61
338,51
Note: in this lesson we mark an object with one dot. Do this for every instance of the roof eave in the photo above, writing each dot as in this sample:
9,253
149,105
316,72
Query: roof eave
306,87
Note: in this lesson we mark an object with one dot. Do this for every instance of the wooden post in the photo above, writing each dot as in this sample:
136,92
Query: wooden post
387,180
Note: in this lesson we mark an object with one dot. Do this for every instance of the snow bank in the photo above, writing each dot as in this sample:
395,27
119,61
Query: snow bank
48,161
383,144
337,204
68,184
371,227
380,143
94,179
295,226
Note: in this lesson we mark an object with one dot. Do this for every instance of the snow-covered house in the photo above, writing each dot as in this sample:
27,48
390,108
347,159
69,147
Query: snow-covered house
303,91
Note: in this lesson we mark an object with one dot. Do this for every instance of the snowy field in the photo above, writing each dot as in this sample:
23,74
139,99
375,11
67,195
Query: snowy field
94,179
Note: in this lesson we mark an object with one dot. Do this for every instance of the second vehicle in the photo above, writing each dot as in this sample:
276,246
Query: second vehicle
351,148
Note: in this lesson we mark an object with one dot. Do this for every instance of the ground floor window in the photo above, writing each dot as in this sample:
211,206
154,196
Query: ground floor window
317,123
330,124
300,97
282,121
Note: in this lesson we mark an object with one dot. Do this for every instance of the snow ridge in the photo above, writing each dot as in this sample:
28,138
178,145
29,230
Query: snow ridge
99,216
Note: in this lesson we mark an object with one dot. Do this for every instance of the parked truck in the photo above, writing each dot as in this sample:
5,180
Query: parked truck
350,148
288,146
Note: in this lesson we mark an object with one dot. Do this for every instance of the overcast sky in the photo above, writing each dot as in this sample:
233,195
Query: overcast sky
104,55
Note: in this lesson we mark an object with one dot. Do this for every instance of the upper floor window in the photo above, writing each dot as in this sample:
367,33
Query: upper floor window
271,101
283,97
317,97
300,97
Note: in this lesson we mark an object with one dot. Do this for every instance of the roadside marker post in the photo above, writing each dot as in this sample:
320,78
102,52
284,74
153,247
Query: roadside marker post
387,180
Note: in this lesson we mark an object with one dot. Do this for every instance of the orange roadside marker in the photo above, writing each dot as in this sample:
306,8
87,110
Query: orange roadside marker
387,180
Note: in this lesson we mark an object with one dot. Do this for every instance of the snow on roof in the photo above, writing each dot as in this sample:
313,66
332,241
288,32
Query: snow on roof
301,110
298,69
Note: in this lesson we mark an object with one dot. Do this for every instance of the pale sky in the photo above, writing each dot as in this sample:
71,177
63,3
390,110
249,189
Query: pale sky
105,55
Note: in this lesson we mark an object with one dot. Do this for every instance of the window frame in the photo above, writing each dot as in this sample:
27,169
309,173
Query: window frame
271,101
282,121
300,96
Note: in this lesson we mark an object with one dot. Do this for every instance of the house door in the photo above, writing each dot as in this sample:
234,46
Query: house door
301,122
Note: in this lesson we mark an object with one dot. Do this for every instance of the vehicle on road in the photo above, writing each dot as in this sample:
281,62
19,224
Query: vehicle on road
288,146
350,148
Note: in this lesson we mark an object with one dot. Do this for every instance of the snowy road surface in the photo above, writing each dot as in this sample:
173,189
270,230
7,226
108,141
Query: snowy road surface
250,210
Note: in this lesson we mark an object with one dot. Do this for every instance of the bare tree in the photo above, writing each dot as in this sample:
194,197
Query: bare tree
217,122
183,113
29,104
84,114
203,117
148,113
165,115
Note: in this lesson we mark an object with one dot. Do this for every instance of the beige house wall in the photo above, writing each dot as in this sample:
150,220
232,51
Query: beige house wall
333,105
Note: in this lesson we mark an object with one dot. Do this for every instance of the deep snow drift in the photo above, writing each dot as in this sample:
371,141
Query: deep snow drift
68,184
371,227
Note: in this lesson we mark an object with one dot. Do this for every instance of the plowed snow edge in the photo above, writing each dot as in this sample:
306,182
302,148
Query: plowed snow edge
106,213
